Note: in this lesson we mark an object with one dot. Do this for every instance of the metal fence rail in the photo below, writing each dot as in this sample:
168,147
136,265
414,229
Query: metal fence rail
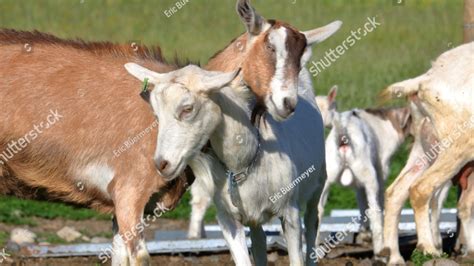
175,242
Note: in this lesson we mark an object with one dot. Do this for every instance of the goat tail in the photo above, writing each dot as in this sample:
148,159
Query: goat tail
337,125
402,89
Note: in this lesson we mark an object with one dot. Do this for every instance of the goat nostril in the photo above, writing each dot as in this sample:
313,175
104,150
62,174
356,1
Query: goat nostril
162,165
288,105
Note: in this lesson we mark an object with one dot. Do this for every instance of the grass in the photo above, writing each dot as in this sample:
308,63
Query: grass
4,236
51,238
20,212
411,35
418,258
184,209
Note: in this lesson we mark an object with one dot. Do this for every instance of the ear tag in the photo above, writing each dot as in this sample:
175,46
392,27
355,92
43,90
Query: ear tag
145,93
145,85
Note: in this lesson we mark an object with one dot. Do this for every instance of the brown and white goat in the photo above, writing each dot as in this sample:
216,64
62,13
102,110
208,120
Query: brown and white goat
272,55
100,110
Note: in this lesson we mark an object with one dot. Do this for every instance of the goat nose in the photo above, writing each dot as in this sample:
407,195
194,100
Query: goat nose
289,104
161,165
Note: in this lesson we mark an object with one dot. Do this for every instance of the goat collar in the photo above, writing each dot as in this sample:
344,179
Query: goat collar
237,178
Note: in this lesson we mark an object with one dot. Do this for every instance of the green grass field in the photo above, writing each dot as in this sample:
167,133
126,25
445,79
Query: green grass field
410,36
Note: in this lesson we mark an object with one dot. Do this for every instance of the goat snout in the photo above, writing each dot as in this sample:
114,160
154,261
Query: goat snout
161,164
289,104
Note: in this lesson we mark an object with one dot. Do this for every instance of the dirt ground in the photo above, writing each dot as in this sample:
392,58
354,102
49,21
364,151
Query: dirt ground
274,259
99,228
94,227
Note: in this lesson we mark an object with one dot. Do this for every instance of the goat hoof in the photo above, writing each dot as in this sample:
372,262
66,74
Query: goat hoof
144,261
379,260
364,237
385,252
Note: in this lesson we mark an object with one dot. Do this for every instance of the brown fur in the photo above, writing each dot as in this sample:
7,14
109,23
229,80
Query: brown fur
101,108
296,45
461,178
258,61
33,38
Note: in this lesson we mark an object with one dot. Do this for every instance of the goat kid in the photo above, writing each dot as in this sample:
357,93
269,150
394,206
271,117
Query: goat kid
358,152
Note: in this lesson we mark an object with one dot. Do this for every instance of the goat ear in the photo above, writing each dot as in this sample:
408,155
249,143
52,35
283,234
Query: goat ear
252,21
143,73
214,81
405,117
320,34
332,94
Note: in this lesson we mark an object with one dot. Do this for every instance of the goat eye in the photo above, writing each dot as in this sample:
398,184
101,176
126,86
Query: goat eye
270,48
186,111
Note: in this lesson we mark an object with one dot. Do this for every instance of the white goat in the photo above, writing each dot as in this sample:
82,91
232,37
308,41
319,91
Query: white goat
397,193
445,95
202,190
281,167
328,106
358,152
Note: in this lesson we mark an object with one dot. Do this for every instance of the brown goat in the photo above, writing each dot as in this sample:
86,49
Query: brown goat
98,108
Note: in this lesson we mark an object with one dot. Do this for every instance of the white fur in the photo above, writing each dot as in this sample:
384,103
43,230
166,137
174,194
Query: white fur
292,139
97,175
445,96
287,151
280,85
363,163
327,106
398,192
120,253
199,189
202,190
320,34
168,100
